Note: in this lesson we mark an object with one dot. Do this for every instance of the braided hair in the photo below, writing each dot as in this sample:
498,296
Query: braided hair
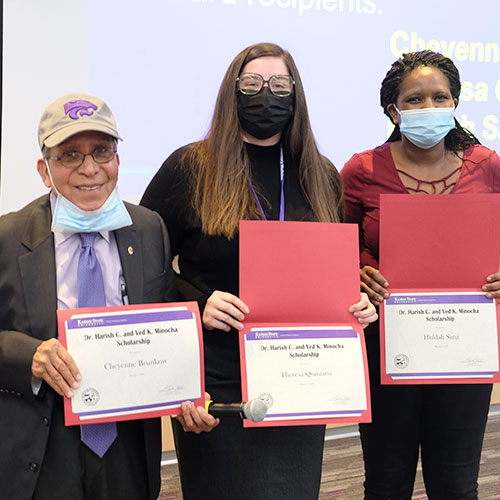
458,139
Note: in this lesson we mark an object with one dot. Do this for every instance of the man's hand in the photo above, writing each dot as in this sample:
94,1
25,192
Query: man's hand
196,418
53,363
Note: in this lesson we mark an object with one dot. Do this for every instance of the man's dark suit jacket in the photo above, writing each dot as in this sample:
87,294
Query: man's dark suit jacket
28,304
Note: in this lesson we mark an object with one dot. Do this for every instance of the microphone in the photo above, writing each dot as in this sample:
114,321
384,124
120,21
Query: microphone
255,410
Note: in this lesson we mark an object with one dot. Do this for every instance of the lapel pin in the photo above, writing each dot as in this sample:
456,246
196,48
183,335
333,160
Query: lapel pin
131,250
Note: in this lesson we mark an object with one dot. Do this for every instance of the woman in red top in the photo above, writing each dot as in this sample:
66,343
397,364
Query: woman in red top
428,153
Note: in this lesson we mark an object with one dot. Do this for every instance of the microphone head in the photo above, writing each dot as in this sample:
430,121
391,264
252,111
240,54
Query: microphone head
255,410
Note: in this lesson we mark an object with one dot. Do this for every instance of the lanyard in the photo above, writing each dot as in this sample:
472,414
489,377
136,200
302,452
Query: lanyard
282,196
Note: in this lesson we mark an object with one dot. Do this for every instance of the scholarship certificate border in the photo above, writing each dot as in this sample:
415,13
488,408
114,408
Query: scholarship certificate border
125,335
305,342
440,321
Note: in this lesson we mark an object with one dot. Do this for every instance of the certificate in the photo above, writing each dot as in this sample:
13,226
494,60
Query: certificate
438,327
301,351
137,361
441,335
306,372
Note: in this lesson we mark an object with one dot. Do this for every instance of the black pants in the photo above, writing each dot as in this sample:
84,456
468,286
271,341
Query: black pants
230,462
447,422
70,470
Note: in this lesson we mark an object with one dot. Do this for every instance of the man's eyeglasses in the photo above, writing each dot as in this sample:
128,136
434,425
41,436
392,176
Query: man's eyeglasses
74,159
252,83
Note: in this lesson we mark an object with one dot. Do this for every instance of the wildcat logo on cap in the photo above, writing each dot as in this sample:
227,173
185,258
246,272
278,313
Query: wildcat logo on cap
77,109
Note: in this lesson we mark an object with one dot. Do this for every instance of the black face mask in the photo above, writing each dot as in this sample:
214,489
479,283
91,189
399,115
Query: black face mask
264,114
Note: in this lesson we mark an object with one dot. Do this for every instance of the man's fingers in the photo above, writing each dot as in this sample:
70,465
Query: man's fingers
52,377
64,366
55,365
69,368
57,382
196,419
208,422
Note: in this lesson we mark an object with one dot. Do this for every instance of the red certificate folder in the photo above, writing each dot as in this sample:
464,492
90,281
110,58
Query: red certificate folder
161,316
296,274
437,243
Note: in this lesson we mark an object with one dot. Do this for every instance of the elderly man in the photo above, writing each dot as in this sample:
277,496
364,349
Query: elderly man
78,246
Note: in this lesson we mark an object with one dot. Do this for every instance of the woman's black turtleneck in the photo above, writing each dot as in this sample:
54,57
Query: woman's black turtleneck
209,263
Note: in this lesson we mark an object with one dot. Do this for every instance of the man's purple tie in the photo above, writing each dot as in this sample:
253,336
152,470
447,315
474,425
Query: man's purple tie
98,437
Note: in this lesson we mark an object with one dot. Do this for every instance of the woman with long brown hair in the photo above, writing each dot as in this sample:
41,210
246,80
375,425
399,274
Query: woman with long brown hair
258,161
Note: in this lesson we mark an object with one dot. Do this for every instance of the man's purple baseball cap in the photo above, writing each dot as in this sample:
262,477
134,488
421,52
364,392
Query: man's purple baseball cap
74,113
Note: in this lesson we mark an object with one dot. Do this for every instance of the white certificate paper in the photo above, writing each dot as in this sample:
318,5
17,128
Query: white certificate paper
445,335
135,361
306,372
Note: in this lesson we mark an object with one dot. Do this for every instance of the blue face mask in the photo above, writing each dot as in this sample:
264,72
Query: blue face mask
69,218
426,127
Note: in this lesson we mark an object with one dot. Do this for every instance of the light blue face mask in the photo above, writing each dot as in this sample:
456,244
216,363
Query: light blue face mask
426,127
69,218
